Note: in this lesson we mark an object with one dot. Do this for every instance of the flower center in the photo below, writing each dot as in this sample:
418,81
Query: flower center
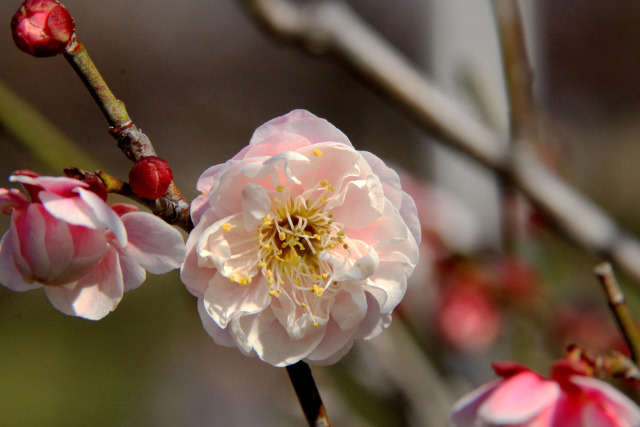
291,239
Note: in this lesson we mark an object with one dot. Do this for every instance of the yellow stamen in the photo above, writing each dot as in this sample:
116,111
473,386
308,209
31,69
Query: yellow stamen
279,188
317,152
226,226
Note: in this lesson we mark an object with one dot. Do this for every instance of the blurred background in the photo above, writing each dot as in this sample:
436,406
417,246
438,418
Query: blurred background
198,77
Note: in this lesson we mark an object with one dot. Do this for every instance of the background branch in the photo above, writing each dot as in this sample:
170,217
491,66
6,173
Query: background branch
331,27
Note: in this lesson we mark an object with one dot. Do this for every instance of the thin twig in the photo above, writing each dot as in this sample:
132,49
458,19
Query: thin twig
172,207
308,395
331,27
620,310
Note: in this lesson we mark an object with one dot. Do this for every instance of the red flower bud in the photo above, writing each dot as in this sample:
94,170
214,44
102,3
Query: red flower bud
150,177
42,27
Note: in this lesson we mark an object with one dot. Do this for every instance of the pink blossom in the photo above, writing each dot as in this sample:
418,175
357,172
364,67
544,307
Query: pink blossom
302,244
84,253
524,398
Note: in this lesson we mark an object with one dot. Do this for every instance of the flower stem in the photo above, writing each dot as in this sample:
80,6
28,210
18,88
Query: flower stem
308,395
620,309
172,207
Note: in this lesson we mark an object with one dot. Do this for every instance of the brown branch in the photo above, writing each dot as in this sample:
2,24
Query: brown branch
620,310
330,27
308,395
172,207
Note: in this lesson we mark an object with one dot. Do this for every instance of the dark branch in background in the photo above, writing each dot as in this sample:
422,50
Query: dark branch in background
172,207
517,70
308,395
331,27
522,123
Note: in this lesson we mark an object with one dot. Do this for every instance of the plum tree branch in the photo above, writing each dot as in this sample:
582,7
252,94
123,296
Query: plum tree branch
330,27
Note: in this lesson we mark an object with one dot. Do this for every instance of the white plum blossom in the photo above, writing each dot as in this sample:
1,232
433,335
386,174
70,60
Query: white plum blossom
302,244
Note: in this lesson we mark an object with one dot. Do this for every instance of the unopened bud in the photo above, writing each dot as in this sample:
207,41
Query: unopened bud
150,177
42,27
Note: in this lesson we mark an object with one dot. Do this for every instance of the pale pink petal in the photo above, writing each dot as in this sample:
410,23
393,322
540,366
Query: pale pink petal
374,321
246,331
93,296
59,185
256,204
338,164
350,306
388,285
303,123
233,252
465,411
595,416
107,217
357,262
288,164
274,345
196,277
133,274
62,253
609,399
226,198
409,214
519,399
31,230
198,207
388,178
335,338
72,210
220,336
297,322
225,300
361,203
9,274
333,358
206,179
275,144
153,244
390,238
12,199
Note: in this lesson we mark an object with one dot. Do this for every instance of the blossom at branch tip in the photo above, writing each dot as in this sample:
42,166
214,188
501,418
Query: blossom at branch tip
302,244
84,253
523,398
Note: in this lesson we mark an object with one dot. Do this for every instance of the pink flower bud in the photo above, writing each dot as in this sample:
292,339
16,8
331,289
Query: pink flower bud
42,27
150,177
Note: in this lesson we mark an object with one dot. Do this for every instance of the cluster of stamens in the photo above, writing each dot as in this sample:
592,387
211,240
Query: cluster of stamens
290,239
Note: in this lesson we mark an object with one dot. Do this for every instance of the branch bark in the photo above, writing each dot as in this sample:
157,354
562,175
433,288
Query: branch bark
332,28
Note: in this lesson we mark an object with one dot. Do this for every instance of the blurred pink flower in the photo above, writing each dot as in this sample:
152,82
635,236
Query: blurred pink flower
467,319
84,253
524,398
302,244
